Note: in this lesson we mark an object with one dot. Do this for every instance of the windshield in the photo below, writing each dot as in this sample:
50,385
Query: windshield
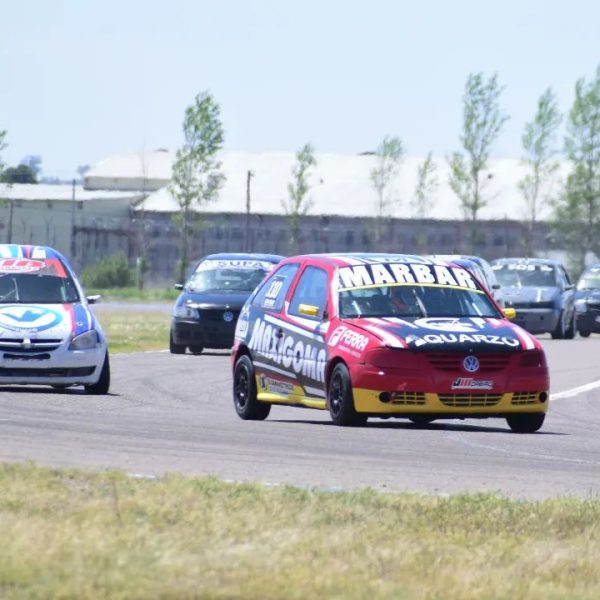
415,301
29,288
590,280
225,280
524,275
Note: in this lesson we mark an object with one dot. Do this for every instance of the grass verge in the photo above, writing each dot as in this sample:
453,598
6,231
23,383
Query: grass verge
88,535
135,331
133,294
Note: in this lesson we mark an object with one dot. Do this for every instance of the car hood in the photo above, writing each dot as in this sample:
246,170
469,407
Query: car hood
44,321
446,334
227,300
529,294
591,296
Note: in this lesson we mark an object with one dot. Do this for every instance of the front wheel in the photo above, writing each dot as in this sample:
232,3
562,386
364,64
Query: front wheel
526,423
559,332
570,330
585,332
340,399
103,383
246,404
175,348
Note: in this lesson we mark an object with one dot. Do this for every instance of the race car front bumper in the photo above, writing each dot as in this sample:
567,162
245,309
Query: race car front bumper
537,320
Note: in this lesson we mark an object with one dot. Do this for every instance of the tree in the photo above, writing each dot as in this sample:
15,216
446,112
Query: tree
19,174
482,122
389,157
577,214
298,202
82,170
196,178
538,141
427,183
34,162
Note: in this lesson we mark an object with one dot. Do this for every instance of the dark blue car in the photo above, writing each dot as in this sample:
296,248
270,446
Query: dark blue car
206,312
587,301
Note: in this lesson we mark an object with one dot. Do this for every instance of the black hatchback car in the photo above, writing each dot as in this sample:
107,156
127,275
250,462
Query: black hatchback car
587,301
206,312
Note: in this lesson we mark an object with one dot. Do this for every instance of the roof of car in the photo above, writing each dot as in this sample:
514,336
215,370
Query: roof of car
366,258
274,258
28,251
535,261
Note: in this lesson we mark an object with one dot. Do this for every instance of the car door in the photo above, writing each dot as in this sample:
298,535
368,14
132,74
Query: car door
304,347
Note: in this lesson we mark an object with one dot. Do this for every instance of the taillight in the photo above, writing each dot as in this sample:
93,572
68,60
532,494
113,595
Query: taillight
533,358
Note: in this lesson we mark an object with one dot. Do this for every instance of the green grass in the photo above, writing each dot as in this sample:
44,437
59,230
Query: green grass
73,534
135,331
132,294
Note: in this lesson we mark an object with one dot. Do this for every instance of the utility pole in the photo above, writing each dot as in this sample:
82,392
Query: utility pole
73,223
11,207
249,176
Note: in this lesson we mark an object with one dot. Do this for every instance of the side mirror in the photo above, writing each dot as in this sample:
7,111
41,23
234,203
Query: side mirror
569,286
309,310
93,299
509,313
178,286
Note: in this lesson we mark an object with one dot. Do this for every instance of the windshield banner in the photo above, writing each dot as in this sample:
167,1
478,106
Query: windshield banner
212,265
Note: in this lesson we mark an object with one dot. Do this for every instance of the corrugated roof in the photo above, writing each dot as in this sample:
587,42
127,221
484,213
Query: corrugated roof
30,191
341,185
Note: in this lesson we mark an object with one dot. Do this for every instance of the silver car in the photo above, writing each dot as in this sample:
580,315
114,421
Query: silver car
541,292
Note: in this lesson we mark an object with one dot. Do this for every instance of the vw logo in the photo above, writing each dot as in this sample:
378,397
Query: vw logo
228,316
471,364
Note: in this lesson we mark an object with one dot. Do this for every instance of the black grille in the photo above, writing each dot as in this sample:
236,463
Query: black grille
16,345
544,305
488,363
38,372
216,314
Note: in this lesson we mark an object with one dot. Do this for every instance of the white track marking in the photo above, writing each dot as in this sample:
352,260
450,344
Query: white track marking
575,391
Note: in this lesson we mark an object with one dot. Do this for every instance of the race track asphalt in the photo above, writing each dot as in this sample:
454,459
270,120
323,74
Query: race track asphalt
169,413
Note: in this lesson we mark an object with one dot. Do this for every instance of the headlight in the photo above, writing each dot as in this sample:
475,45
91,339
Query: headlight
85,341
185,312
580,305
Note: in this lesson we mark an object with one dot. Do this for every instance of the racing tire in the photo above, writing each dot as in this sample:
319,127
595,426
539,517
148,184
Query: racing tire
526,423
245,402
585,332
103,384
340,400
196,349
559,332
570,330
421,420
175,348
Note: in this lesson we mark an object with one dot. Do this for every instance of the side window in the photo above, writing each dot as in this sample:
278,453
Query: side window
271,295
565,275
311,290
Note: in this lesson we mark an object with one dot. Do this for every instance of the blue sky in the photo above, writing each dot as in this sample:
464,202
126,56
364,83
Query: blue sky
81,80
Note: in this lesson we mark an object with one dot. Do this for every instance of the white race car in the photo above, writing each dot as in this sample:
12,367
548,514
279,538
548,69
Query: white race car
48,335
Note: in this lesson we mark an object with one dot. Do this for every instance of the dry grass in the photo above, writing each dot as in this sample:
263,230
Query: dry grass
74,534
135,331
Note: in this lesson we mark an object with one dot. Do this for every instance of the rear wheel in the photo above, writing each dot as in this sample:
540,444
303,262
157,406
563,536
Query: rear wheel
585,332
175,348
526,423
340,399
244,392
103,383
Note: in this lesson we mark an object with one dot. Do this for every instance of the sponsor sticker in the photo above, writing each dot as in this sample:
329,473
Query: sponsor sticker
20,265
211,265
28,318
343,336
461,338
275,386
361,276
282,347
468,383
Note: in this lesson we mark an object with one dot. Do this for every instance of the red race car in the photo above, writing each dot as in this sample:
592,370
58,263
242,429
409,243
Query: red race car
369,335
